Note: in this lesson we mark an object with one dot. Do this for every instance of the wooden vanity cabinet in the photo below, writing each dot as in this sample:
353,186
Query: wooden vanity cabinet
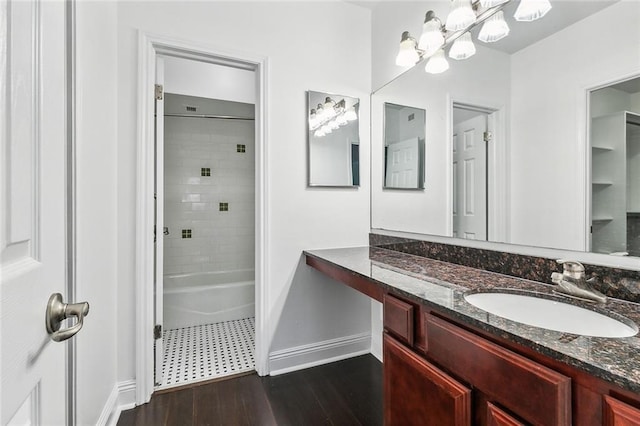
439,372
462,378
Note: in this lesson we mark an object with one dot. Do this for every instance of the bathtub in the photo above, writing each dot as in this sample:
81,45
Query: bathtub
207,297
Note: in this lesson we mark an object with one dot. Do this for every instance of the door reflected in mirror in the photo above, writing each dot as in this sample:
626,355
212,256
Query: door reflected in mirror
333,140
404,147
470,136
615,168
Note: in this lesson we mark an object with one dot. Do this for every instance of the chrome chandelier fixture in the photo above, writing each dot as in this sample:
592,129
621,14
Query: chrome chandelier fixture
464,15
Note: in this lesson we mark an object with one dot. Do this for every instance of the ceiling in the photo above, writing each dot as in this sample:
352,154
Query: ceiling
562,14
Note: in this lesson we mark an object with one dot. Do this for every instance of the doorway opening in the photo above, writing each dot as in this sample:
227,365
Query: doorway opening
205,205
614,136
157,55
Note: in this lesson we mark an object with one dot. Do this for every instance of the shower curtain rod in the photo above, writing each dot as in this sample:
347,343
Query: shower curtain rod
220,117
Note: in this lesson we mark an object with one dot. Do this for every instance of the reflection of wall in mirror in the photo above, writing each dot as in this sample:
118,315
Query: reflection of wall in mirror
331,157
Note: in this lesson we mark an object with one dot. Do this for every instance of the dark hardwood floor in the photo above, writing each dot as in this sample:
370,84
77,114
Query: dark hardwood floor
347,392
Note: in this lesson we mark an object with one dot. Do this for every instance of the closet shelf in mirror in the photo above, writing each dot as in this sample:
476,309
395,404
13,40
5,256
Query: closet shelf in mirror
602,148
601,219
602,183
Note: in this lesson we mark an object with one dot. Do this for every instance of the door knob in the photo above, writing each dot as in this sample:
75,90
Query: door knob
58,311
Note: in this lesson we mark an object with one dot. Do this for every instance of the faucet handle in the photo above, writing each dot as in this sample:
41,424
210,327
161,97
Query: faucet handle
572,268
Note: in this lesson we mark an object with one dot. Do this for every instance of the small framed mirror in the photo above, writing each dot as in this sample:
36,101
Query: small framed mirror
333,140
404,147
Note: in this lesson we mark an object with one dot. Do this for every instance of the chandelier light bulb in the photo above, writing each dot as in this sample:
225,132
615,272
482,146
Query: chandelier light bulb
437,63
407,55
461,15
462,48
494,28
530,10
432,38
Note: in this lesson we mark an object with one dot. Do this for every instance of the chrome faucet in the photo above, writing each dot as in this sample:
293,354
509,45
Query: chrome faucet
572,281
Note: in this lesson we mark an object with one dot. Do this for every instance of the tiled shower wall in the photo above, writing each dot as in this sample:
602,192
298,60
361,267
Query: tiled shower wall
209,170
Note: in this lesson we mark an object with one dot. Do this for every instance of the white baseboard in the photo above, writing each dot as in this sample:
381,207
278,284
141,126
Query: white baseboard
122,397
311,355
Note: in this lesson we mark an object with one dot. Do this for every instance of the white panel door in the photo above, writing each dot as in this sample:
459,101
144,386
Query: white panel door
402,164
33,225
470,179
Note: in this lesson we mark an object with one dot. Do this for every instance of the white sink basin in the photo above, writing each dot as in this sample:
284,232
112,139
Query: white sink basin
551,315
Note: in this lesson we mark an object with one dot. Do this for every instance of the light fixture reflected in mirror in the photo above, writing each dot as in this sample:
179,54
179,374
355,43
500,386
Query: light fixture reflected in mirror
530,10
462,48
461,15
494,29
431,39
437,63
408,56
492,3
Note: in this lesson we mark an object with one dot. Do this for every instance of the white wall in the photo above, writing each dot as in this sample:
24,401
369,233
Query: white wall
547,161
309,45
193,78
96,207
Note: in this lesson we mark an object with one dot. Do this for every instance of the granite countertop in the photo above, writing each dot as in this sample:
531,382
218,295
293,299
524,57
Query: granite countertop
443,285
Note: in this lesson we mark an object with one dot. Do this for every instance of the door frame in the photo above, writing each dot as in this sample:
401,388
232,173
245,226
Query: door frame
497,155
149,46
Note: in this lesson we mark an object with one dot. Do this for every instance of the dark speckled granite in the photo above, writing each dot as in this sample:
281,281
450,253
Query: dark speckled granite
619,283
443,286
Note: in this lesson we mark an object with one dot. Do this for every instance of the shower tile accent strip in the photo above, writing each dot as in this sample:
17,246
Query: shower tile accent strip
224,207
205,171
241,148
186,233
206,352
618,283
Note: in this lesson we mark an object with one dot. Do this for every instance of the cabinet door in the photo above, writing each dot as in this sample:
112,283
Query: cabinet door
617,413
497,417
535,393
418,393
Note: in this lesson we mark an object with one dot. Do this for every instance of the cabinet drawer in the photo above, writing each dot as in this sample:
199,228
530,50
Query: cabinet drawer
533,392
617,413
399,319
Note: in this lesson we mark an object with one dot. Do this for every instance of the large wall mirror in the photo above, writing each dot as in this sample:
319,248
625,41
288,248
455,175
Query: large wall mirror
535,97
333,140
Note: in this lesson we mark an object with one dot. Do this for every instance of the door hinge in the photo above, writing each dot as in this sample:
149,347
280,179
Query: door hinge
159,92
487,136
157,331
